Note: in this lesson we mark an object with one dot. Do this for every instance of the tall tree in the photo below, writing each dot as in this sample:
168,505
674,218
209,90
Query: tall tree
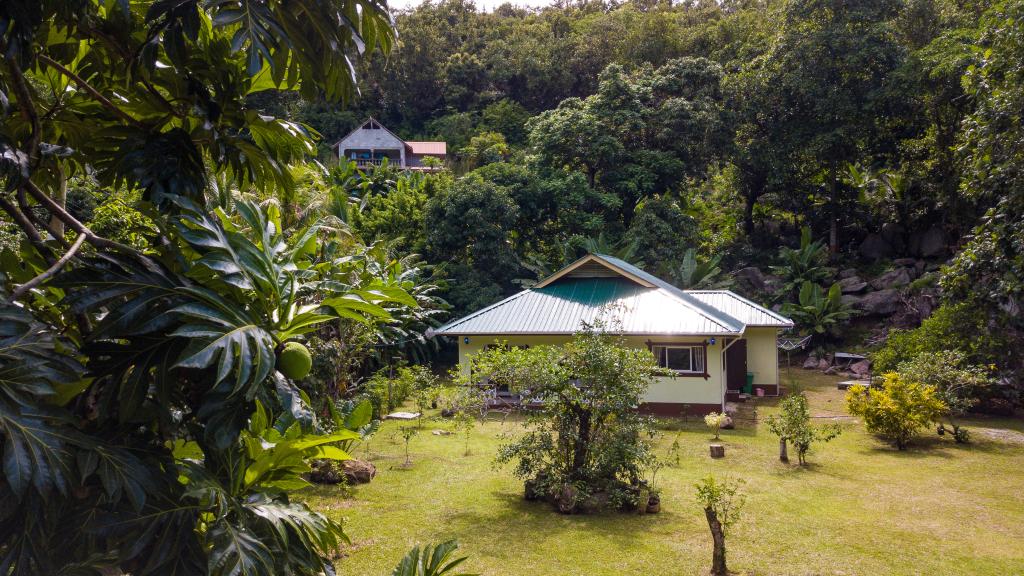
133,440
469,229
815,100
640,134
989,270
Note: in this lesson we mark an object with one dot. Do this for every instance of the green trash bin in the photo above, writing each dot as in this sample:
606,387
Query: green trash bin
748,388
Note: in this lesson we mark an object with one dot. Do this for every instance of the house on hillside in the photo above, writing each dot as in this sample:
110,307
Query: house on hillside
712,339
370,143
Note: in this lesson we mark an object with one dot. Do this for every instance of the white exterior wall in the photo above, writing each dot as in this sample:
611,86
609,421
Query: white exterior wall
366,139
763,355
676,390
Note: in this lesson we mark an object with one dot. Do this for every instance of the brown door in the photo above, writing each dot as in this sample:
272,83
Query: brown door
736,365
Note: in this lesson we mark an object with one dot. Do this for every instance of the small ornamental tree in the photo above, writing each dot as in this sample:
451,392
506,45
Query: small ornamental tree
793,425
898,410
715,421
587,445
722,503
957,382
408,432
465,405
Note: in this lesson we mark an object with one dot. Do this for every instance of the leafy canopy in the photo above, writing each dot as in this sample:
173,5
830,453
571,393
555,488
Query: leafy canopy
138,440
587,434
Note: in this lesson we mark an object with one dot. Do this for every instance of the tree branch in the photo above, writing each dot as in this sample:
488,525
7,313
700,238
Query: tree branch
74,224
27,211
26,226
27,110
92,91
49,272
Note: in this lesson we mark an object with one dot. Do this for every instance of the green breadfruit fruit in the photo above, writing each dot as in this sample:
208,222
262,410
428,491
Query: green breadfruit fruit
294,361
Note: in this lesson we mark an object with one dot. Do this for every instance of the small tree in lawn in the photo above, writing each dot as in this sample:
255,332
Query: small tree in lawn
722,503
466,404
425,391
407,435
794,425
587,445
898,410
715,421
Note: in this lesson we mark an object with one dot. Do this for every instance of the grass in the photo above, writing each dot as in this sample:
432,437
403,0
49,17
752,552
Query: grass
860,507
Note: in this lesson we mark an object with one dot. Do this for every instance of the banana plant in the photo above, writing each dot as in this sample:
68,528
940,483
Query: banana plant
804,264
818,311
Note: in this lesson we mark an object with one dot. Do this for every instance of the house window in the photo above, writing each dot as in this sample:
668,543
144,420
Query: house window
684,359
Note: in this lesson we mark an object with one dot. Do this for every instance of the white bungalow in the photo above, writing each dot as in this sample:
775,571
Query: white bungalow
719,344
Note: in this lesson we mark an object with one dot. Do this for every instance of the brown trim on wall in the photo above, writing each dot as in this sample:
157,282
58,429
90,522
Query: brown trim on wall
676,410
702,343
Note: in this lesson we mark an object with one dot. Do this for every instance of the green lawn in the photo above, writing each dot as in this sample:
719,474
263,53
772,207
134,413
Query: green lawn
859,508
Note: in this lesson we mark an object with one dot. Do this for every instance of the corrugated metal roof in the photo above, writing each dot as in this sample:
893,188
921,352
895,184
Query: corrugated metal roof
560,308
440,148
740,308
646,304
720,315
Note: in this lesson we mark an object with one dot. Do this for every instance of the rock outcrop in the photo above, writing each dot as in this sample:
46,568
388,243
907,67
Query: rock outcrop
896,278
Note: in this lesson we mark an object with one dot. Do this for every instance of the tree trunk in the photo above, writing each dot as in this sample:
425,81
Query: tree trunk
783,453
748,213
718,536
753,187
582,446
61,198
833,226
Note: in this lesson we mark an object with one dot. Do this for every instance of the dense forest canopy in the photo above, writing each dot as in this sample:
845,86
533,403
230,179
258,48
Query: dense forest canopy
718,130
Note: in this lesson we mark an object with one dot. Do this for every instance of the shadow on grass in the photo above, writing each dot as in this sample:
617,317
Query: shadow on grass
934,446
538,519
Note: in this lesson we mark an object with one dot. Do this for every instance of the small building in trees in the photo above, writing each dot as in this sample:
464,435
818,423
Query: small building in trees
370,143
719,344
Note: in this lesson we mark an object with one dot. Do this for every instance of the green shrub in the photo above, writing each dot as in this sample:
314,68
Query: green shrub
959,383
951,327
715,421
898,410
386,394
586,447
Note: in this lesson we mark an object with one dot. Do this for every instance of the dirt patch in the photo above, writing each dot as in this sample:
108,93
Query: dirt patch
338,504
999,434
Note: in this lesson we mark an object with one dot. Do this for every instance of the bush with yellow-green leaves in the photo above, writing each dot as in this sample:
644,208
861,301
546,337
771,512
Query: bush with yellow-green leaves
897,410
